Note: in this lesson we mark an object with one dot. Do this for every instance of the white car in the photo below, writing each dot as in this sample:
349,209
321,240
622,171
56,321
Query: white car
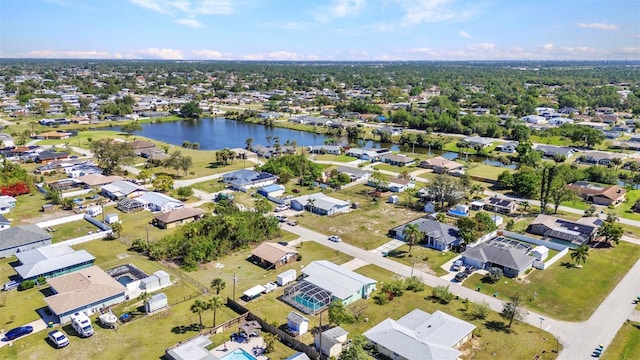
58,339
335,238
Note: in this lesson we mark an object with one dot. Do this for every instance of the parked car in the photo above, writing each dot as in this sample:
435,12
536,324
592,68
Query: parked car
10,285
58,339
335,238
457,265
281,218
283,243
17,332
461,276
292,222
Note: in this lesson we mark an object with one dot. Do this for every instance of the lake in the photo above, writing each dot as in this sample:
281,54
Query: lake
220,133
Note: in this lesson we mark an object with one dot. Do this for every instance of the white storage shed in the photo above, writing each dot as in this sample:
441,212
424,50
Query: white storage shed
286,277
156,303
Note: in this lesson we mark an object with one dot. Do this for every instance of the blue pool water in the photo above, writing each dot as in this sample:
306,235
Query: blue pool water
124,280
457,213
238,354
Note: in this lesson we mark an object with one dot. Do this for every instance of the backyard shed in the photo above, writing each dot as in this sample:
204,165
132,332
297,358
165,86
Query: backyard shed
393,199
297,323
111,218
540,252
156,302
286,277
254,292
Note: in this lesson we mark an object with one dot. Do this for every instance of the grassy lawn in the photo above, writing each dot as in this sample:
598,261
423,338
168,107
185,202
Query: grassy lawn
576,204
366,227
550,140
72,230
337,158
521,225
17,307
487,171
395,169
423,258
624,210
560,288
626,343
28,207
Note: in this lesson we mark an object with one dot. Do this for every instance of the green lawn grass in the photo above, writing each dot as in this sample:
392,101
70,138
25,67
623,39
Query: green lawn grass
28,207
560,288
625,210
18,307
72,230
487,171
337,158
626,343
423,258
395,169
576,204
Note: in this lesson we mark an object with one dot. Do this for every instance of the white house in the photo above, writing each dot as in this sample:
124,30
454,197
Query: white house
7,203
244,179
320,203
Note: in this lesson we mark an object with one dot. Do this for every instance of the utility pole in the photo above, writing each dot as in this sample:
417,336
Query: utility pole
234,286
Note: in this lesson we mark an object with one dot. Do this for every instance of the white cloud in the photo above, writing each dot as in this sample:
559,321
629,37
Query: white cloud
548,46
188,7
61,54
156,53
341,8
189,22
210,54
464,34
599,26
630,50
482,46
279,55
433,11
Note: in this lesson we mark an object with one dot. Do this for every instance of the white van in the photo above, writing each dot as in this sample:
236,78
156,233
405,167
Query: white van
81,324
94,211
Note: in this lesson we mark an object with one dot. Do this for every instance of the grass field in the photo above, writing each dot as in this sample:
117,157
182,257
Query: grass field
625,210
424,259
366,227
487,171
626,343
337,158
72,230
560,288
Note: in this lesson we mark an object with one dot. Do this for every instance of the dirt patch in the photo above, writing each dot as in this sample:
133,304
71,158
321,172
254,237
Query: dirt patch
48,216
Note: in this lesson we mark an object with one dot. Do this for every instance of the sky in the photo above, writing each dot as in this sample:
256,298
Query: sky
310,30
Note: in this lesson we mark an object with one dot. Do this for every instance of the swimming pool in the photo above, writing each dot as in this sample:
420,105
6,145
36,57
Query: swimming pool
238,354
457,213
125,279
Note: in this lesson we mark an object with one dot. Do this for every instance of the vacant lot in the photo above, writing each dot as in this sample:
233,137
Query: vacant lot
422,258
561,288
626,343
366,227
487,171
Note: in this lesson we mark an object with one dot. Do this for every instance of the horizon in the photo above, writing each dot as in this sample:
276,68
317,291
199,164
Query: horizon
315,30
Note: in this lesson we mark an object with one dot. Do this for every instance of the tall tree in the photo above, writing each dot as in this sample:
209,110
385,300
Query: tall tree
412,235
214,304
110,154
513,309
217,285
191,110
610,232
131,127
198,307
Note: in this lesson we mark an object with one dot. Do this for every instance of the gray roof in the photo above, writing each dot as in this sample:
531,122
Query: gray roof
352,171
194,349
4,220
296,318
507,257
123,186
550,150
334,333
246,177
420,335
320,201
339,281
22,235
433,228
50,258
298,356
157,199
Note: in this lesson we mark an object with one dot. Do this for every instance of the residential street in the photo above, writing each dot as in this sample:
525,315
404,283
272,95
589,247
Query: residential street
578,339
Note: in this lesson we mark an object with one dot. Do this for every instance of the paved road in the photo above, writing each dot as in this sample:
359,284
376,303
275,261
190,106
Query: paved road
578,339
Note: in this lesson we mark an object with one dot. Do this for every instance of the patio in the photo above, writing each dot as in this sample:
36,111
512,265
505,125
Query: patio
254,346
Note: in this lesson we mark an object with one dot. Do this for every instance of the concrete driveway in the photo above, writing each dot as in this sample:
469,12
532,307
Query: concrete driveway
38,326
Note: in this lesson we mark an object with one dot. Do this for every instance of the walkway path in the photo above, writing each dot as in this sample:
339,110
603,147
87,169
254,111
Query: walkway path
578,339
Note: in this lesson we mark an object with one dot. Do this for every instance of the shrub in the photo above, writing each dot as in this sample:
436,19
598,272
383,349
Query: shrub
27,284
442,294
41,280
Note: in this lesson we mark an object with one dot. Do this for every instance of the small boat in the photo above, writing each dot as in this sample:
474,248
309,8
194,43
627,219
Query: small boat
108,319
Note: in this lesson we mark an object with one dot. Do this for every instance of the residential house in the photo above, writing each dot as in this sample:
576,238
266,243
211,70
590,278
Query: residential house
397,160
194,349
478,141
514,260
122,189
51,261
49,156
55,135
612,134
343,284
550,151
95,181
534,119
574,233
368,154
87,290
22,238
152,201
508,147
568,111
593,125
503,206
419,335
140,146
356,175
173,218
320,204
600,157
610,195
398,185
4,223
7,203
559,121
441,165
269,115
435,235
481,111
393,131
6,141
330,342
272,191
272,256
325,149
244,179
244,153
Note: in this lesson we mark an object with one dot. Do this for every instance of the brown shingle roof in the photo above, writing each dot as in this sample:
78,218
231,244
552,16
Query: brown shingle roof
81,288
271,252
178,214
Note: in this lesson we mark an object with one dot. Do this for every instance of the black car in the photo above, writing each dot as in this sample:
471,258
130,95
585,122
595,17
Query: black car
461,276
17,332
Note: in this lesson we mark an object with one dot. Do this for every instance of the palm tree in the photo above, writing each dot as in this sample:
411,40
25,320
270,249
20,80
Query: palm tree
412,235
198,307
525,205
579,255
218,285
269,138
476,189
214,304
310,204
616,162
249,143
